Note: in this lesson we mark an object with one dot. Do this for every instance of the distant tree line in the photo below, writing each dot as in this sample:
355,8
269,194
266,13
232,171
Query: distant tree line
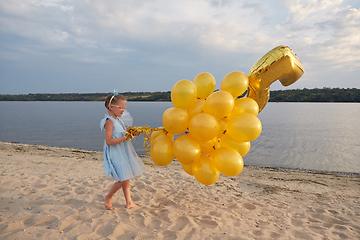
131,96
316,95
297,95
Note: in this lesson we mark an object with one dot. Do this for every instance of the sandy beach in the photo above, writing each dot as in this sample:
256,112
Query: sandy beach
57,193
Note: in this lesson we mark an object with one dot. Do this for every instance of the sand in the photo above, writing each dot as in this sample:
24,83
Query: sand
57,193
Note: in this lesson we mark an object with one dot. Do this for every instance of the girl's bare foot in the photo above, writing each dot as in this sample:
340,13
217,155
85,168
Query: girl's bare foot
131,205
108,204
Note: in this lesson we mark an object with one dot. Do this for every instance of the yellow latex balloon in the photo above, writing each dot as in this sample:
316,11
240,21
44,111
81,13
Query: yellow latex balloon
166,111
222,127
176,121
157,133
205,171
228,161
196,108
208,146
161,150
235,83
241,147
183,94
244,105
187,169
279,63
205,84
203,127
186,150
244,128
219,104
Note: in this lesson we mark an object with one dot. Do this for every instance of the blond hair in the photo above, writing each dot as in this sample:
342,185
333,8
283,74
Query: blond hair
111,98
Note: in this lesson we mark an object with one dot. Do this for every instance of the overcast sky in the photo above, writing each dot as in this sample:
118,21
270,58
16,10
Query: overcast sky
88,46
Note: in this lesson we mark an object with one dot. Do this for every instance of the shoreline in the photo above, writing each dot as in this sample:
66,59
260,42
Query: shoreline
267,168
57,193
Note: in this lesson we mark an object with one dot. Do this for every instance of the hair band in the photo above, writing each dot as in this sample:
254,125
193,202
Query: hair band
115,93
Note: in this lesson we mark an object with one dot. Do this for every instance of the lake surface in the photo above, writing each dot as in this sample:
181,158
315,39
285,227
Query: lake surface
316,136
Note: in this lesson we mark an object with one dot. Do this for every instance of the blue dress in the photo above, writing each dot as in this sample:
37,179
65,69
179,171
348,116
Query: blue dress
120,161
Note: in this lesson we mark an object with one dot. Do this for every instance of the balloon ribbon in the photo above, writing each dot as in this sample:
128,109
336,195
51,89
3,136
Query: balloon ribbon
133,131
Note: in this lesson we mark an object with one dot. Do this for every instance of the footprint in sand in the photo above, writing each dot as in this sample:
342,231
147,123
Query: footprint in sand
138,220
30,221
249,206
74,203
206,221
297,222
330,220
180,223
154,224
81,190
50,222
39,185
105,230
150,189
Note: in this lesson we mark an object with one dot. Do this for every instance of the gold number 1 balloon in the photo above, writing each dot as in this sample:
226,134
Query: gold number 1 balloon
279,63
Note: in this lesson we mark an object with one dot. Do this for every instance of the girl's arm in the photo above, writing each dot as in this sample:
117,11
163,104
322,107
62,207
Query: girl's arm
108,134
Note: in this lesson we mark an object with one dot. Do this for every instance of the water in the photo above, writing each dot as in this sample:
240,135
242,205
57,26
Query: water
317,136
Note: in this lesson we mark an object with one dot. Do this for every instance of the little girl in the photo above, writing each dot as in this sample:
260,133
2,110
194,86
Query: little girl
120,159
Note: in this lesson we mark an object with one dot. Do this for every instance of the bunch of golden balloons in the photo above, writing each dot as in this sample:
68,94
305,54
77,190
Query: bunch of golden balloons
214,128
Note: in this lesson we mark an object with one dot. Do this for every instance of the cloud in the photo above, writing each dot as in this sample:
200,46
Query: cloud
330,31
177,38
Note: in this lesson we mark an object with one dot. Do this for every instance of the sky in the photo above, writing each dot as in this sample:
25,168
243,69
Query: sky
93,46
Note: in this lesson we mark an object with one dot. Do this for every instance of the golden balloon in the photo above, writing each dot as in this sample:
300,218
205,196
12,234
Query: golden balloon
219,104
205,171
241,147
186,150
222,126
196,108
160,132
166,111
176,121
187,169
279,63
228,161
244,105
161,151
183,94
203,127
208,146
244,128
205,84
235,83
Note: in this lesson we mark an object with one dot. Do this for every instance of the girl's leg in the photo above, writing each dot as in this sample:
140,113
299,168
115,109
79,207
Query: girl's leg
111,193
126,190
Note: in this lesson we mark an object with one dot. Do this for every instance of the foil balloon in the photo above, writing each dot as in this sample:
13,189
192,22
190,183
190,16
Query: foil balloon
278,64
